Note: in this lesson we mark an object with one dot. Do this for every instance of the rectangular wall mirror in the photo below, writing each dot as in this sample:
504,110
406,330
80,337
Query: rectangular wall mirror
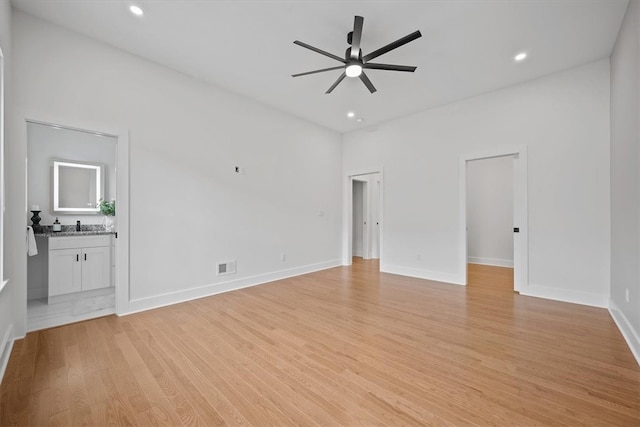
77,187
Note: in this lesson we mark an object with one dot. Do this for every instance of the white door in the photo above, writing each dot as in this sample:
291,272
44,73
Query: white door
64,271
520,237
96,268
375,218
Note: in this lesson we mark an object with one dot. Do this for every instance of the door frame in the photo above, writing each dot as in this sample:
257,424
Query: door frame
347,217
121,243
520,211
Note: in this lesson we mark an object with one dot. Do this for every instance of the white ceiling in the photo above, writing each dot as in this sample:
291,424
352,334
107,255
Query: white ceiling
467,47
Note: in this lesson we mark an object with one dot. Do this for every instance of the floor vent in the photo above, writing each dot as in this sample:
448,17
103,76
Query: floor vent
226,267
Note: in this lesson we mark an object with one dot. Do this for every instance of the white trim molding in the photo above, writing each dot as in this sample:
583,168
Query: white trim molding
436,276
565,295
6,345
170,298
630,335
490,261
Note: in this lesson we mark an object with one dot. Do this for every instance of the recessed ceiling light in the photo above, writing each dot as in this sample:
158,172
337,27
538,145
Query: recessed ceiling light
521,56
359,120
351,114
136,10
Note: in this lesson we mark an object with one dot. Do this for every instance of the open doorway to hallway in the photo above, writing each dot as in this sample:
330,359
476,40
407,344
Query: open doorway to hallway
365,216
519,220
490,223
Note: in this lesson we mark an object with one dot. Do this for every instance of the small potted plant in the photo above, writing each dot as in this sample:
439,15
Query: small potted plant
108,209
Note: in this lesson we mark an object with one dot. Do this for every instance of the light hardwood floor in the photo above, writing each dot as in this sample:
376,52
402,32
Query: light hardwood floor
345,346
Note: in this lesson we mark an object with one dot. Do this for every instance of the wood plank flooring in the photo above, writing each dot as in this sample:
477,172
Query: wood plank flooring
345,346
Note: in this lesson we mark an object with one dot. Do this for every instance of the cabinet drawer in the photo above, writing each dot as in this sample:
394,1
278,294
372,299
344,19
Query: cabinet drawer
79,242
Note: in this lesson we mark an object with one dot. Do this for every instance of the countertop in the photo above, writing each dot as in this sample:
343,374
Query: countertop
73,233
70,231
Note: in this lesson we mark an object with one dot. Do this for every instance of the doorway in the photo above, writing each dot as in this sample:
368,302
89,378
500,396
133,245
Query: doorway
359,221
364,225
74,275
493,220
490,223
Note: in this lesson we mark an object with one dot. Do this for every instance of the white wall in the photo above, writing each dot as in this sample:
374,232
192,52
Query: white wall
563,119
358,217
490,211
188,207
625,177
45,143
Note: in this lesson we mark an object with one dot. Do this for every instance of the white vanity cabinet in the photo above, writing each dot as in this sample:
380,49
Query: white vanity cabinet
79,263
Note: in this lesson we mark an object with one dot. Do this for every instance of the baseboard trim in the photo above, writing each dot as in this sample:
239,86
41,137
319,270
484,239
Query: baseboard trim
564,295
5,350
496,262
170,298
419,273
629,334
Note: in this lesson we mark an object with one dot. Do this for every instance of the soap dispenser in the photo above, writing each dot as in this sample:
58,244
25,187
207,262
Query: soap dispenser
56,225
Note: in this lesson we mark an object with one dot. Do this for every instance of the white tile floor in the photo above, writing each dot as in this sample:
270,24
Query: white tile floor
80,306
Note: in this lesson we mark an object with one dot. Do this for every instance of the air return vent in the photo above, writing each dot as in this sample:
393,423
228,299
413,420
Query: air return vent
226,267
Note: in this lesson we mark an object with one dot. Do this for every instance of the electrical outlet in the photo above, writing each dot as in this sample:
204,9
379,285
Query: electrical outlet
283,257
626,294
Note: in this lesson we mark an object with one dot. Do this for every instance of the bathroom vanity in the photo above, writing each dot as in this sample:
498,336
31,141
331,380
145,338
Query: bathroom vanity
79,262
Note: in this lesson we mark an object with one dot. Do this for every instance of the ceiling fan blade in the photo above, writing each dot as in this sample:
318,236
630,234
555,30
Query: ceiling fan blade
357,36
367,82
393,45
339,67
320,51
337,82
389,67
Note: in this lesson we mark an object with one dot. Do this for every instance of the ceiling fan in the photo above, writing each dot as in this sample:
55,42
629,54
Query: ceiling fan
354,63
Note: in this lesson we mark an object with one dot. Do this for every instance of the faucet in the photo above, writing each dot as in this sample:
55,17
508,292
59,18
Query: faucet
78,226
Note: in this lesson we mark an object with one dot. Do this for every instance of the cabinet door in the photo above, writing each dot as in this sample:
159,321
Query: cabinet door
64,271
96,268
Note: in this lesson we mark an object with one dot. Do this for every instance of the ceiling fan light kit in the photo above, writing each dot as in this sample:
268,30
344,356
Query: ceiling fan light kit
354,63
353,70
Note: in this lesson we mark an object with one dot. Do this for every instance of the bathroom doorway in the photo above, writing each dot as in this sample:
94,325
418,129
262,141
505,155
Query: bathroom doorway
72,259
